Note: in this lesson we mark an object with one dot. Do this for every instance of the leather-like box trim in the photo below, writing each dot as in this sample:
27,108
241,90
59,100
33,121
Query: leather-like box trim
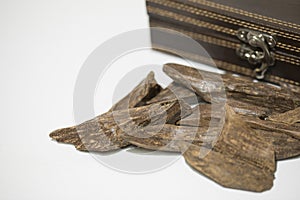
275,12
215,27
224,53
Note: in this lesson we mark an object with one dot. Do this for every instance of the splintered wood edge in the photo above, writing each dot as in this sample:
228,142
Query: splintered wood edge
144,91
148,88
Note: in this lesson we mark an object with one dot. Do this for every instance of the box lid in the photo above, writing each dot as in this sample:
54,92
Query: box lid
224,20
277,14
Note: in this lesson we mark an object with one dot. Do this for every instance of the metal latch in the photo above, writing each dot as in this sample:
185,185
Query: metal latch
257,49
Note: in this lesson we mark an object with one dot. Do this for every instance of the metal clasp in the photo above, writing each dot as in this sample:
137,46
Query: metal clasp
257,50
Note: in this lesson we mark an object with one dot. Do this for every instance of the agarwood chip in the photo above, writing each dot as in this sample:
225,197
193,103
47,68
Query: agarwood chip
203,83
236,146
247,109
176,91
284,137
204,115
104,133
241,158
142,93
290,117
170,137
230,171
210,86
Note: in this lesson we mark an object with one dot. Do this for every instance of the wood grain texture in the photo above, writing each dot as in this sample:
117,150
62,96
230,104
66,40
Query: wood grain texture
234,134
284,137
171,137
144,91
208,85
104,133
176,91
241,158
291,117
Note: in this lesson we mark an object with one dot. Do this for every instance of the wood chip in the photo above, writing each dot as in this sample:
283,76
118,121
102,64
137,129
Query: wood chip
234,134
176,91
284,137
210,86
170,137
241,159
290,117
142,93
104,133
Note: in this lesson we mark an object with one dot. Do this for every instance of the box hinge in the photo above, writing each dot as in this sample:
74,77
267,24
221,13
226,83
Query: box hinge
258,48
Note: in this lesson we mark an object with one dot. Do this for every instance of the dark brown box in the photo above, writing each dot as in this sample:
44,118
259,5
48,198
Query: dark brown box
257,38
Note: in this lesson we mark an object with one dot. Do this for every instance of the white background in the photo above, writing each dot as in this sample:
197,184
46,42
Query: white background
42,47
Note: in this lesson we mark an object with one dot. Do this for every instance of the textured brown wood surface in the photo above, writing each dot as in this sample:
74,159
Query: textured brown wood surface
284,137
176,91
144,91
171,137
201,82
209,85
291,117
233,135
240,159
230,171
104,132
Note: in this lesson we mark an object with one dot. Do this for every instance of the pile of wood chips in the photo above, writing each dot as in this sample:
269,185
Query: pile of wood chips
229,128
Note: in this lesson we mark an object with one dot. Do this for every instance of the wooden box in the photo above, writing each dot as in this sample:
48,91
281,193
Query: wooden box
257,38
